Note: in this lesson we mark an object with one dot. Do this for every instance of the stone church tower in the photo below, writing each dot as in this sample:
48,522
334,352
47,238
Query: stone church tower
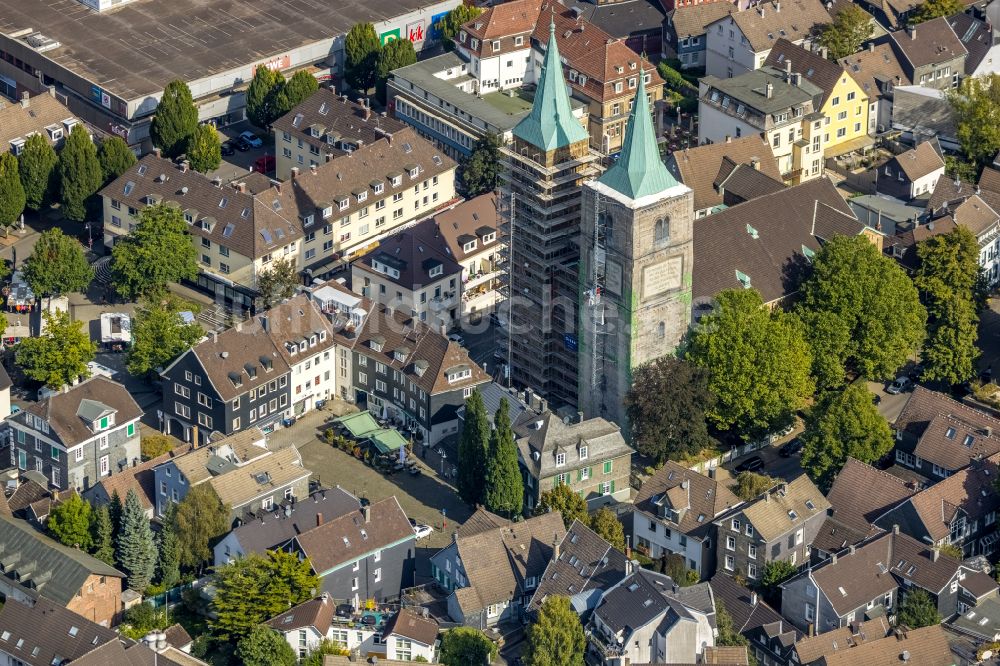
635,268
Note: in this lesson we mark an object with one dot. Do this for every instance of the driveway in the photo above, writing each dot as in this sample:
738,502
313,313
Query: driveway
238,164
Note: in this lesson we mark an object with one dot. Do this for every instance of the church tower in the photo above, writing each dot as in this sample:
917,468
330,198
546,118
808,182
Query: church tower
545,166
635,268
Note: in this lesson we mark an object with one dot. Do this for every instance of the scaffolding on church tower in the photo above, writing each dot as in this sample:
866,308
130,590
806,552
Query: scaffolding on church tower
595,295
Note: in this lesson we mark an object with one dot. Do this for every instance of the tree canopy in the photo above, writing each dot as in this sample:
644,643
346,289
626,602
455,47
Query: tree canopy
504,487
263,646
473,448
397,53
481,170
607,526
200,518
101,535
12,197
69,522
57,265
750,485
168,564
37,167
758,363
564,500
932,9
80,174
666,407
728,635
136,549
175,121
159,250
976,103
843,424
204,150
262,96
462,646
61,355
850,29
918,610
278,282
294,91
159,335
861,312
950,281
453,22
115,157
556,637
361,49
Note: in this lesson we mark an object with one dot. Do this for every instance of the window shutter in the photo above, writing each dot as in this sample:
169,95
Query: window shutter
612,487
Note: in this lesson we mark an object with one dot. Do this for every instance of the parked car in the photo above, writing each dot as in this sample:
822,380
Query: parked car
900,384
455,337
264,164
228,148
751,464
422,531
14,409
252,139
241,144
791,448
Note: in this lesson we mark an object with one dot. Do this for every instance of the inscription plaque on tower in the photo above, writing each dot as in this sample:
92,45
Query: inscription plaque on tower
613,281
662,277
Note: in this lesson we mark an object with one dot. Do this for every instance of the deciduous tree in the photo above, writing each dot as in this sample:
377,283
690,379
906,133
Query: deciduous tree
103,547
750,485
851,28
462,646
12,197
263,646
175,121
397,53
37,168
758,363
69,522
504,488
278,282
136,550
158,251
453,22
976,103
152,446
472,450
262,95
918,610
159,335
861,311
200,518
727,632
556,637
843,424
57,265
115,157
361,49
607,526
318,654
564,500
932,9
666,408
204,151
60,356
774,574
481,170
80,174
295,91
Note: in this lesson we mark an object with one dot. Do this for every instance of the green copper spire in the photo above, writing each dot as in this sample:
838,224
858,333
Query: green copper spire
639,171
551,124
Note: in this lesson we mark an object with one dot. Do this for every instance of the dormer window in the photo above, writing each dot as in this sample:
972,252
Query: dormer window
236,378
396,180
105,422
16,146
436,270
344,204
312,340
302,346
266,363
470,246
307,219
560,459
489,238
496,45
632,83
362,195
377,343
519,40
327,212
379,188
462,36
414,172
459,374
292,348
322,336
583,452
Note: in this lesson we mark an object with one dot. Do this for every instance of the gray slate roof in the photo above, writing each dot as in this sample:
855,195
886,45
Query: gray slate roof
645,596
62,410
548,435
749,88
47,633
275,529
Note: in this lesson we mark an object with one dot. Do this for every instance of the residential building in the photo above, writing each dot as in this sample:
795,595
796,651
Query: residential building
307,625
77,437
814,649
647,618
777,104
928,645
977,36
273,530
636,253
959,510
583,565
675,512
931,53
859,495
981,623
414,274
138,478
48,633
950,197
870,580
922,112
544,167
81,52
638,24
772,638
891,14
844,103
38,569
878,71
912,173
591,457
937,436
364,554
685,31
410,634
491,568
706,168
323,126
741,42
42,114
247,475
469,232
903,246
780,524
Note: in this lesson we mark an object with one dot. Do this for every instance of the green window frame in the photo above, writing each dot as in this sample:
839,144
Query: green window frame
608,466
130,429
104,423
54,453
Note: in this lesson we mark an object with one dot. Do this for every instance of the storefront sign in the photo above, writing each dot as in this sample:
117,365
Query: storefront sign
119,130
415,31
276,64
389,36
435,29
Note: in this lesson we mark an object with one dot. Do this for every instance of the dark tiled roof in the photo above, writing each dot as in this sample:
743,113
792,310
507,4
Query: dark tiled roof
693,20
481,521
746,182
644,596
784,223
701,498
414,256
60,410
57,571
139,478
548,435
923,405
17,121
975,214
976,36
348,537
622,19
178,636
918,162
927,646
907,241
276,528
316,613
822,73
699,167
585,562
468,219
28,492
951,442
408,623
294,321
812,649
47,633
933,41
979,584
747,615
875,68
861,493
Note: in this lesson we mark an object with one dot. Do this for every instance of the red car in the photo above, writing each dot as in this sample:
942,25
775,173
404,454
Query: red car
264,164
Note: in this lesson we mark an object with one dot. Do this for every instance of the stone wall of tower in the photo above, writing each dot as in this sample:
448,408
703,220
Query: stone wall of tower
647,292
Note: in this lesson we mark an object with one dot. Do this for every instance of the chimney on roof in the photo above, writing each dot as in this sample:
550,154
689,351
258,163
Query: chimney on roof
156,151
912,31
319,518
264,323
777,7
871,47
555,546
366,511
312,169
768,90
25,100
935,554
895,529
833,558
185,165
788,69
729,139
852,549
215,337
753,598
295,172
755,163
824,52
241,187
760,8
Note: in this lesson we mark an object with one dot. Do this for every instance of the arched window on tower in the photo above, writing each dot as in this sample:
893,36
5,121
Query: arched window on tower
662,231
661,329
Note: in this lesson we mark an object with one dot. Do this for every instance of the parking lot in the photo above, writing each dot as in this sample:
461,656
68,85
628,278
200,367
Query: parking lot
240,163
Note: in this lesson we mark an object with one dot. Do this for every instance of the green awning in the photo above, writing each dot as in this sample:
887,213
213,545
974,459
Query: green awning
359,424
387,440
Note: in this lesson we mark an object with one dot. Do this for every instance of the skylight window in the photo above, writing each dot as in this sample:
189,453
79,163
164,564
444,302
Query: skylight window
792,514
142,169
228,231
950,433
842,591
969,439
129,186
